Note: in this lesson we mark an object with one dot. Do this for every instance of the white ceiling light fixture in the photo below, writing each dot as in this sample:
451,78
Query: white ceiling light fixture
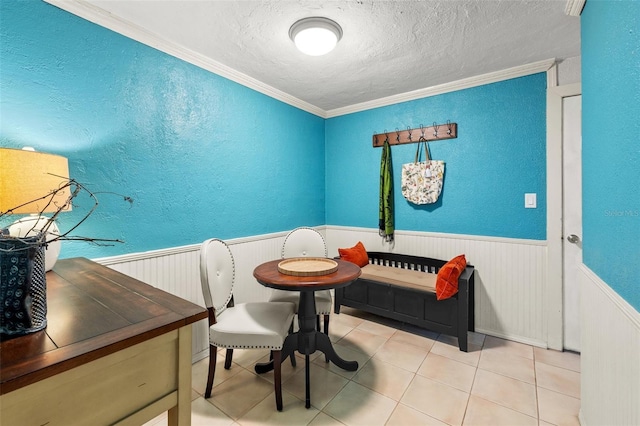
315,36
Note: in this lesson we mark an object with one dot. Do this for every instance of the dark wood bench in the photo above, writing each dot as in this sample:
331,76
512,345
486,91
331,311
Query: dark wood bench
417,306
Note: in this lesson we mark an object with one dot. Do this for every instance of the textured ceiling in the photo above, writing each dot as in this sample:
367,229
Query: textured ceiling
388,47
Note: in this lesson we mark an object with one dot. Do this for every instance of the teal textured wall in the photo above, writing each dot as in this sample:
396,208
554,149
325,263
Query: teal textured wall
499,155
611,143
201,156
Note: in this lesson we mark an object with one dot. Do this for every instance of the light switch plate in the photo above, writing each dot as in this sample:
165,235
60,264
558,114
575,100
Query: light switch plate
530,201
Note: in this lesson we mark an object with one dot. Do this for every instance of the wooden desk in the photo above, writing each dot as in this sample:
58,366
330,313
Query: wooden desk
115,351
307,339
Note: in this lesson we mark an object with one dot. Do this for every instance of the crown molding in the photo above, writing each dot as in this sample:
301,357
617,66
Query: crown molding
126,28
492,77
99,16
574,7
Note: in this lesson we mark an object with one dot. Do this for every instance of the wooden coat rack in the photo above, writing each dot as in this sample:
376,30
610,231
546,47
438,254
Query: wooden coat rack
431,133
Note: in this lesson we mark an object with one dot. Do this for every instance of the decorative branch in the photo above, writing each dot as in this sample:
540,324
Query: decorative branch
75,188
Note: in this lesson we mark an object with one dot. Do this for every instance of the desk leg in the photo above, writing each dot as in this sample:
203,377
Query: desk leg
181,413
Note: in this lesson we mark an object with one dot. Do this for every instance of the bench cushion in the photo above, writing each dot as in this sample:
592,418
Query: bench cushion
401,277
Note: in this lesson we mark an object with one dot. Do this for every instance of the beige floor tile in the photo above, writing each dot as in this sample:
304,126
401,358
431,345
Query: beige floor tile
507,347
200,371
265,413
247,357
337,330
511,393
568,360
362,341
324,385
512,366
346,353
558,379
407,416
475,338
453,352
323,419
420,331
384,378
492,383
286,371
481,412
445,370
401,355
357,405
437,400
558,409
239,394
377,329
203,414
346,319
422,342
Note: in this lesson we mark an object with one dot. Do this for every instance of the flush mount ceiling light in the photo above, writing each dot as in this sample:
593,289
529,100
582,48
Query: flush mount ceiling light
315,36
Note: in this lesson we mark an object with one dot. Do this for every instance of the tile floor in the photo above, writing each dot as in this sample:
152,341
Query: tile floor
406,376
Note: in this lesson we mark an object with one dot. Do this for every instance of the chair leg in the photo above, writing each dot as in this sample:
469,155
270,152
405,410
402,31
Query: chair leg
277,377
228,358
318,322
213,354
293,357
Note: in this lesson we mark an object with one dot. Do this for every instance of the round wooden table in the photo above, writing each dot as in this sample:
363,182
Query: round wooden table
307,339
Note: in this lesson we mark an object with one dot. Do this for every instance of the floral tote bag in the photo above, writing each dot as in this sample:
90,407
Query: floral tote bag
422,180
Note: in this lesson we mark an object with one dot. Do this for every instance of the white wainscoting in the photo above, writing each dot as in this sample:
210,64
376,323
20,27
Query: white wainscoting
509,282
177,271
509,286
610,357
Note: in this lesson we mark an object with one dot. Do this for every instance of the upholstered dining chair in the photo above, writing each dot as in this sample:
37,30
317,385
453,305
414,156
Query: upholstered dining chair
259,325
306,242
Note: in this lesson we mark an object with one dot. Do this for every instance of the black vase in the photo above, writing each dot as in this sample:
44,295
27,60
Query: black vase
23,287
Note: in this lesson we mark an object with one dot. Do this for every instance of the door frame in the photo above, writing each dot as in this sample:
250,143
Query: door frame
554,282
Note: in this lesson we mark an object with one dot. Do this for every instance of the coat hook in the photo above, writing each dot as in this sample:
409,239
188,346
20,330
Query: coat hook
397,135
409,130
435,126
449,127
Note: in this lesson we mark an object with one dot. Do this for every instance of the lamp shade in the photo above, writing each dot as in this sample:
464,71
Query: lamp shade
28,179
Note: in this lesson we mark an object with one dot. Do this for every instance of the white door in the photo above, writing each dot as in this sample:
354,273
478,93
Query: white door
572,217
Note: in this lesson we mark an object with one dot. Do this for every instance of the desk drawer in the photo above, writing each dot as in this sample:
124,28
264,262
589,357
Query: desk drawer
103,391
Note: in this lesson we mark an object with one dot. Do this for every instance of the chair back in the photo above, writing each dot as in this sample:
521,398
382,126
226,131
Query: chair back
304,242
217,274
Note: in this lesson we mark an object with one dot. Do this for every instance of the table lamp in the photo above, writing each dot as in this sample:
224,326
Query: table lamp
30,183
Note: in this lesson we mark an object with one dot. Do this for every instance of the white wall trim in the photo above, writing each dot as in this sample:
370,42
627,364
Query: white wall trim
132,257
554,289
445,235
625,308
105,19
512,337
492,77
574,7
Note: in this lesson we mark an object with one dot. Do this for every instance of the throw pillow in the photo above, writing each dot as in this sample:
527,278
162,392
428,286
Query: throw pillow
447,281
356,254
